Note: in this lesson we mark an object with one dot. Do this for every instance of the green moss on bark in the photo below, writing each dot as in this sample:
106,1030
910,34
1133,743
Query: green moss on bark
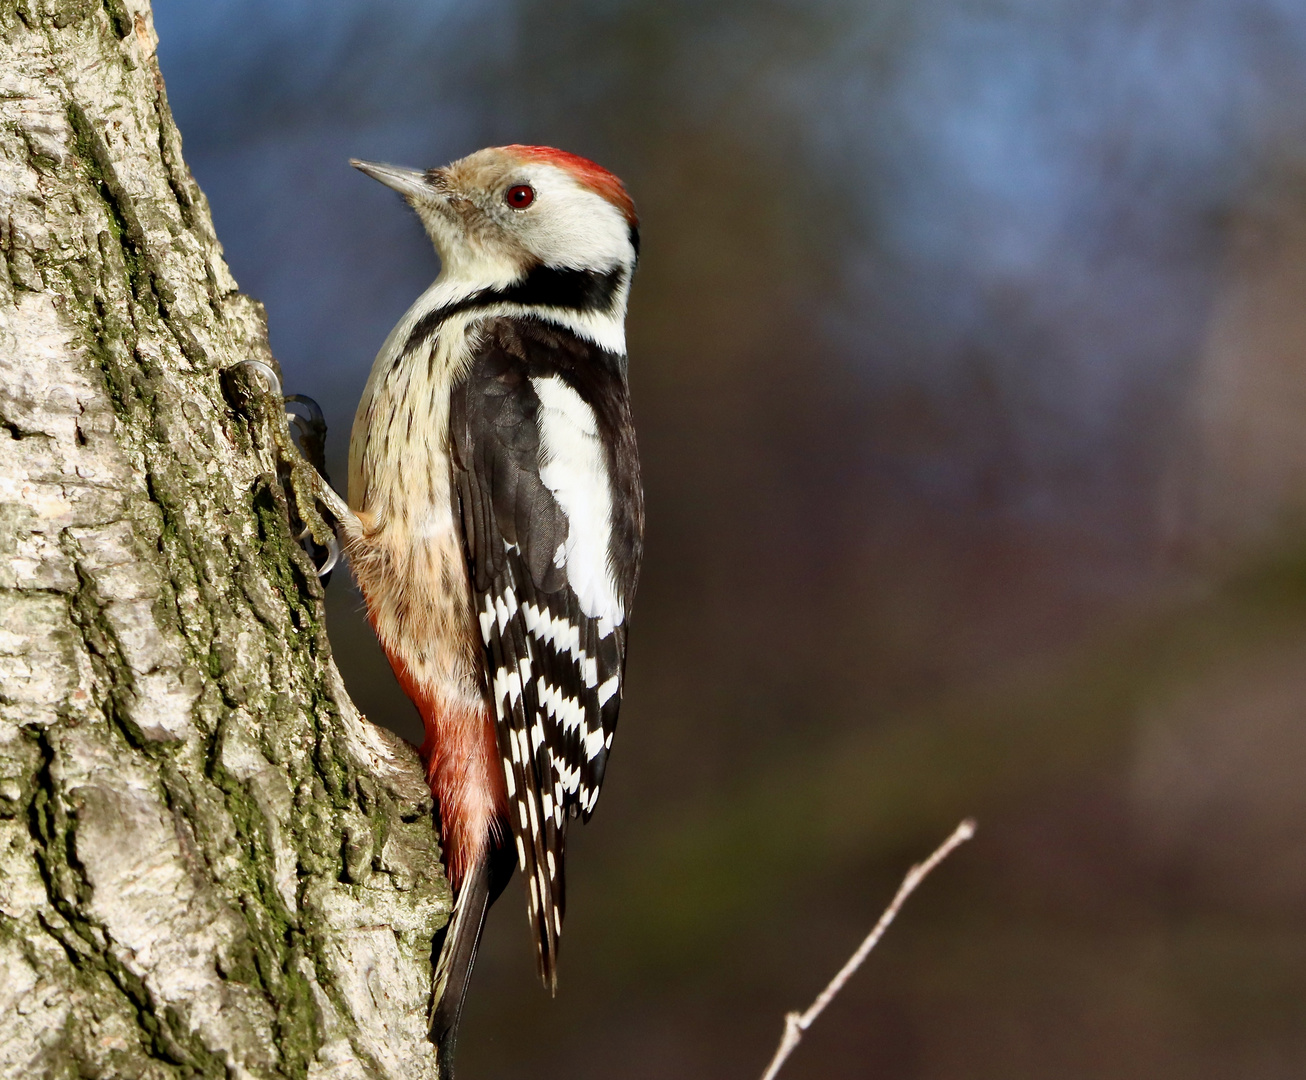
199,837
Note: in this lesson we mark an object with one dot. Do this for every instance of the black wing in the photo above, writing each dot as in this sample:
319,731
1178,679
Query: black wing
552,515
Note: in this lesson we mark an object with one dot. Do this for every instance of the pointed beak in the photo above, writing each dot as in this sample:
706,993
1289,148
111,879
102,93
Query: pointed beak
410,183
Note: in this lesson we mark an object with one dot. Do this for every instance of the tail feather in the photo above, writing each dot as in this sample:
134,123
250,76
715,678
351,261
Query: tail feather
481,886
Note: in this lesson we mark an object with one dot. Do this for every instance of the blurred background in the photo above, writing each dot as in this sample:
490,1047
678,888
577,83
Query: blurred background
968,353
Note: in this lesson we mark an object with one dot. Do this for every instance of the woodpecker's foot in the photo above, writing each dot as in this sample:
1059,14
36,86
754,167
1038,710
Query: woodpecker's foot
308,428
299,433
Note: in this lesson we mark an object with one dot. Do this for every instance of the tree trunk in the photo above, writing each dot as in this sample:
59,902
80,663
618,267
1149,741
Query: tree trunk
210,864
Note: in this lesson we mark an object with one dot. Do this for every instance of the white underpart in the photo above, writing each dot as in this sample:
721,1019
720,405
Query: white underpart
573,467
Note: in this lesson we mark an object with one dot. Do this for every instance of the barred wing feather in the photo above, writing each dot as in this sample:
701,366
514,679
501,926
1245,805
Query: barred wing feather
552,519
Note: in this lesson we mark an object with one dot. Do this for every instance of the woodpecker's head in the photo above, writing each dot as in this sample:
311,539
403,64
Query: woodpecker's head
500,213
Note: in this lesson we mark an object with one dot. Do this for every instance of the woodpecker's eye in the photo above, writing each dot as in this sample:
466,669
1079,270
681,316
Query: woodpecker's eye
520,197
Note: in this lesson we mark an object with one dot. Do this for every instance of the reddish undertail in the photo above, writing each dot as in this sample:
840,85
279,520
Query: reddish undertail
462,768
461,753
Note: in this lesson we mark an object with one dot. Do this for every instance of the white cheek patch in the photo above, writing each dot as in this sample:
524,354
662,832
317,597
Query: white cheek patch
573,466
574,226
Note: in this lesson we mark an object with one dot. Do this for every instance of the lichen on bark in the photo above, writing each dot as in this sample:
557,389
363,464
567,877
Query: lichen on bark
210,864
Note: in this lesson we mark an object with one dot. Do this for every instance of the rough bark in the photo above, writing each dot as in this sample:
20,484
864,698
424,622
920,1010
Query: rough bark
210,864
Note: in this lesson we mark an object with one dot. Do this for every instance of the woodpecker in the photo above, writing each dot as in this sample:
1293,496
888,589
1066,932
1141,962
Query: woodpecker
495,520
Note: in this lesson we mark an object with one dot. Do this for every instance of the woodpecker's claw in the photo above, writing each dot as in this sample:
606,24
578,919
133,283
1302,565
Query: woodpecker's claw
310,430
301,444
333,557
310,406
332,547
274,383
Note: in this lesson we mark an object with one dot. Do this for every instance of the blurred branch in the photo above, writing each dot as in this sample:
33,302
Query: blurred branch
797,1023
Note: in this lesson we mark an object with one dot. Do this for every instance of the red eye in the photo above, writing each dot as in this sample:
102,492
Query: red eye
520,197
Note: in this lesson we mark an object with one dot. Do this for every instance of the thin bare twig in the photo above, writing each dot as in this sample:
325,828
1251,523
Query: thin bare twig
797,1023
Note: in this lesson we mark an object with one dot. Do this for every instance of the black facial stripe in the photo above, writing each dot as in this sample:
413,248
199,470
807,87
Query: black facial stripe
543,286
579,290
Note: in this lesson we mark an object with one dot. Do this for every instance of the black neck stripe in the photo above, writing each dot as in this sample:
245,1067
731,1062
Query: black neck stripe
543,286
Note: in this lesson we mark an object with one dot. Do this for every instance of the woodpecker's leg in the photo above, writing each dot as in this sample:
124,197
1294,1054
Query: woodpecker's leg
304,416
453,971
307,477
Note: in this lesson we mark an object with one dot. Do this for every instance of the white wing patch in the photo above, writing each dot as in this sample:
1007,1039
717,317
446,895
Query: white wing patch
573,468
